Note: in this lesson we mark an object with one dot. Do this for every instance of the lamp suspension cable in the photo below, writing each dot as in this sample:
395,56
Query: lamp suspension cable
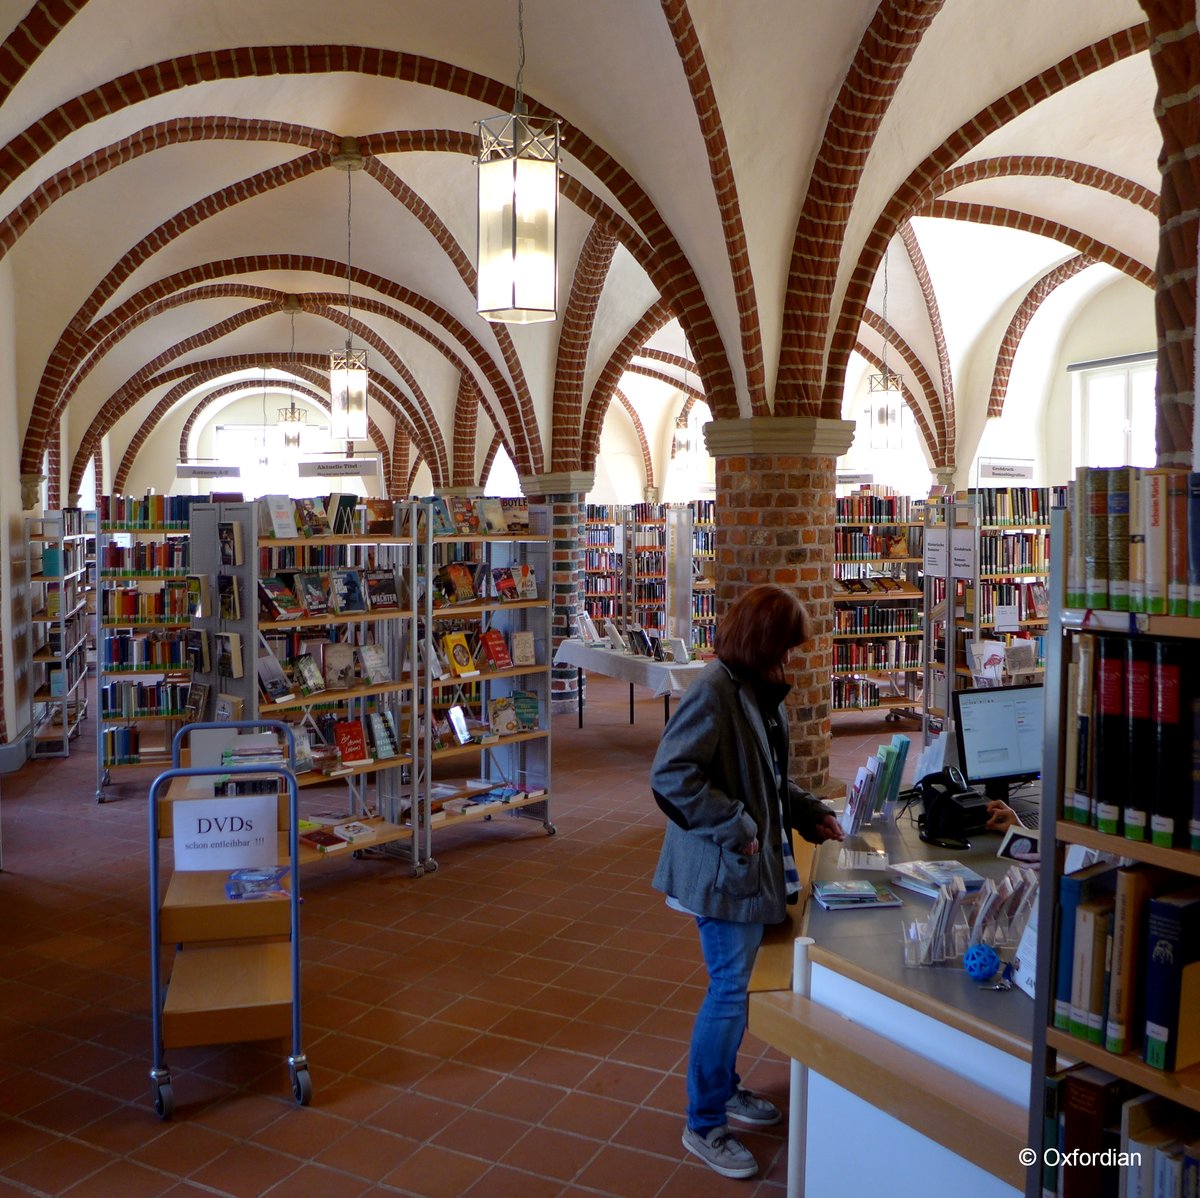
349,259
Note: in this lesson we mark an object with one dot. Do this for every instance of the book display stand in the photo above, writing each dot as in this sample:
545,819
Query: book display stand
56,555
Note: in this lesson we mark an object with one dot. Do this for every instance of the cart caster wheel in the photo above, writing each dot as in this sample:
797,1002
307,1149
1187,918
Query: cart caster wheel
551,830
431,866
302,1087
164,1100
418,871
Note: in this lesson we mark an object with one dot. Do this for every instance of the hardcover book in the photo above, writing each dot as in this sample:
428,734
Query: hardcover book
196,704
276,517
312,590
439,514
339,666
272,681
341,511
197,650
308,674
382,594
502,716
310,517
522,649
351,740
346,591
504,583
380,516
374,663
278,599
495,649
528,709
491,512
1172,973
228,707
465,515
383,734
458,654
324,840
455,583
526,581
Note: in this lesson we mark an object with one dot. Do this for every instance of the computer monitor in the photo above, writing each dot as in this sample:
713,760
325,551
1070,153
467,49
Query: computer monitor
998,734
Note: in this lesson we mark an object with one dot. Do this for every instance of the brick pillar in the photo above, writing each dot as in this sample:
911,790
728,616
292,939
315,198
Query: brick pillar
775,513
564,491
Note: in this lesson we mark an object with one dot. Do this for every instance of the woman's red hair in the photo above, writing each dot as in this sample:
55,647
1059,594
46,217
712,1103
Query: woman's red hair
760,628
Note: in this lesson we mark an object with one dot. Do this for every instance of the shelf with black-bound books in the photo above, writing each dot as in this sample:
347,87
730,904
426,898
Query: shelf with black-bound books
877,602
1119,959
646,568
57,560
603,535
142,559
485,664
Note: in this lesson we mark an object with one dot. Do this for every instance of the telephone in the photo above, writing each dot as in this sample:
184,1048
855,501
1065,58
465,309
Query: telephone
952,810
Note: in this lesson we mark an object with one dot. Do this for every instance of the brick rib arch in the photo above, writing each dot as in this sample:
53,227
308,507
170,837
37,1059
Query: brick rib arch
1010,218
940,445
934,314
185,433
579,317
411,481
661,376
1026,310
708,115
400,448
653,319
927,433
308,366
879,64
903,204
667,359
466,422
679,283
489,460
1041,167
35,31
647,461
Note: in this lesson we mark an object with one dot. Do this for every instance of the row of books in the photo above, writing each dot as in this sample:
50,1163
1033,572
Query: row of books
148,558
133,605
1128,958
57,562
1016,505
1134,1143
875,617
467,582
874,584
505,715
885,654
122,700
320,592
876,784
858,546
140,650
1135,540
1030,600
855,694
1008,552
875,504
1133,723
150,511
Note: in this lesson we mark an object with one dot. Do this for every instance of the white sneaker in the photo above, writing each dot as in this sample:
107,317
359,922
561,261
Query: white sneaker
721,1151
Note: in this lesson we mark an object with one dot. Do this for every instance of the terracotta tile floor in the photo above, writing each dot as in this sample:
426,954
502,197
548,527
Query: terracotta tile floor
514,1023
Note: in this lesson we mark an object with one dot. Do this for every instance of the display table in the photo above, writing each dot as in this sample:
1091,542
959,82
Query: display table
927,1068
664,678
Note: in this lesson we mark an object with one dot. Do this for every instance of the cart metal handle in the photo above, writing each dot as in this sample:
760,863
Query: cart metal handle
274,725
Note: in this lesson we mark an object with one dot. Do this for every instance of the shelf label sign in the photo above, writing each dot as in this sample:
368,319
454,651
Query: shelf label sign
1008,617
962,552
935,551
1006,468
190,470
365,467
849,478
225,833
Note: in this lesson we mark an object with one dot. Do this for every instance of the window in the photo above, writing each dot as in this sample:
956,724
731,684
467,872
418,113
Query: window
1115,409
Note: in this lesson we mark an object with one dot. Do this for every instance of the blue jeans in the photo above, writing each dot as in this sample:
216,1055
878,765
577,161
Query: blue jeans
729,951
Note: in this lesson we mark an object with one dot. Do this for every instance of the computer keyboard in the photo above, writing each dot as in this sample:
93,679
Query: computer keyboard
1029,817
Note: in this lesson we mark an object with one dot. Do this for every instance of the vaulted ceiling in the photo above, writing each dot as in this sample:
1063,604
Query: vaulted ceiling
734,172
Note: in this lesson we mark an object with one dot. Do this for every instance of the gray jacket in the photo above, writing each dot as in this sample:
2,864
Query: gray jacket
714,777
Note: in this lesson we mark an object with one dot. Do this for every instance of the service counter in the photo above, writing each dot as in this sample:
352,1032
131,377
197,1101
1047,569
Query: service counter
917,1079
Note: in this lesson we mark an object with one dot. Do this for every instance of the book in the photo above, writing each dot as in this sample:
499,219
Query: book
522,648
346,591
229,597
464,515
1137,540
272,681
1141,742
504,584
1154,522
341,511
615,639
1124,1023
1172,980
278,599
229,541
373,664
492,514
199,601
439,516
196,705
266,882
227,707
1193,599
382,594
457,719
307,674
382,730
458,653
1080,794
1073,888
1094,507
455,583
516,513
846,894
1118,537
310,518
338,663
1092,1101
1092,924
380,516
351,740
312,591
355,831
495,649
276,517
1177,540
1170,800
1111,785
525,580
927,877
502,716
528,708
324,840
302,757
229,654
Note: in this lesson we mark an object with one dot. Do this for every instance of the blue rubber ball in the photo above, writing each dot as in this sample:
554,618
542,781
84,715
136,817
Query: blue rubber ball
981,962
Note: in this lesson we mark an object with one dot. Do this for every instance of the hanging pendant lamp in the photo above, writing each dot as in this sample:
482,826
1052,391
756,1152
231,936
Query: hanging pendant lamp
348,366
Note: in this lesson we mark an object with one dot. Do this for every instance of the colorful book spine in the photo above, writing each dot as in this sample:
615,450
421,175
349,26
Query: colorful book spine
1111,782
1193,521
1154,516
1137,540
1141,746
1081,790
1177,542
1172,972
1170,799
1095,536
1117,524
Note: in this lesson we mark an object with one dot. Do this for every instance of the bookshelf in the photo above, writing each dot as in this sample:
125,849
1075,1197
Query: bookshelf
646,567
604,563
56,550
518,758
877,604
704,561
142,560
1074,804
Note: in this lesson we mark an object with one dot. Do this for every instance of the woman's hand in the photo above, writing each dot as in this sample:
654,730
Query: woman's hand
751,848
1001,816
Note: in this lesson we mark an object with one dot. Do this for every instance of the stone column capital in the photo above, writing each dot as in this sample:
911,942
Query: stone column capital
558,482
779,436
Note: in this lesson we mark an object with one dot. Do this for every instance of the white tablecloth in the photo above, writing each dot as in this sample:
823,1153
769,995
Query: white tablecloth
661,677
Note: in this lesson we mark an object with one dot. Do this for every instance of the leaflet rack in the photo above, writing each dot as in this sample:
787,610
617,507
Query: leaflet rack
236,971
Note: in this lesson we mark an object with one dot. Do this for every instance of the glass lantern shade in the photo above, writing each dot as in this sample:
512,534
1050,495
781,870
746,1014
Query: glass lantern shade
348,394
518,220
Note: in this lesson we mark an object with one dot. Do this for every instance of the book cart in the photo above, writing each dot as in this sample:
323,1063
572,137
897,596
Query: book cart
235,973
1055,1046
519,761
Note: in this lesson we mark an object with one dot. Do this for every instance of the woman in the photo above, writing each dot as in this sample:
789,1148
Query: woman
720,776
